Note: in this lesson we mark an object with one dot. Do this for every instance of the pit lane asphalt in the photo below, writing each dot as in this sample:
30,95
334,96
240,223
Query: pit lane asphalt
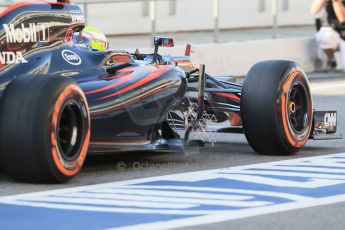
231,150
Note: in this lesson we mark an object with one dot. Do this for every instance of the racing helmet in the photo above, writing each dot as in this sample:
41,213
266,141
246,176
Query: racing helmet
92,38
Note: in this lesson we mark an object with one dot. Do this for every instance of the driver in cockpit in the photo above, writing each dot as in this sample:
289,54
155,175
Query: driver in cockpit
91,38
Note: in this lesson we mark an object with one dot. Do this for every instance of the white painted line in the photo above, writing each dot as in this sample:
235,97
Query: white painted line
141,192
167,200
296,174
315,183
80,207
114,202
222,190
307,169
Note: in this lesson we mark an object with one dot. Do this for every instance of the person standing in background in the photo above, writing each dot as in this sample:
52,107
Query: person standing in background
331,37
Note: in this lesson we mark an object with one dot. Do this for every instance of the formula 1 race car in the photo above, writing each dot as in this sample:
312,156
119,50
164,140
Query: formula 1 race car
61,100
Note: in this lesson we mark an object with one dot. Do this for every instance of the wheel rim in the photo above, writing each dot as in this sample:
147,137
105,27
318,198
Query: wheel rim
70,130
298,108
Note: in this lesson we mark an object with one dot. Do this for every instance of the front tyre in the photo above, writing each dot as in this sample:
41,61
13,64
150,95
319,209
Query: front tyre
45,129
276,107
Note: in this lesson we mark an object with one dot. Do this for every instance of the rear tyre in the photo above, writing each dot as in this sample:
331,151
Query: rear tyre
276,107
45,129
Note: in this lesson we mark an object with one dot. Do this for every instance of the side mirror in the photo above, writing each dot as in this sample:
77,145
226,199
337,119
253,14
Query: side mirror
164,42
161,41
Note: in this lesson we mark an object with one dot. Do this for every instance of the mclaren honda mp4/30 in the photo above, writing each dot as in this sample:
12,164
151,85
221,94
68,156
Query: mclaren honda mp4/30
60,101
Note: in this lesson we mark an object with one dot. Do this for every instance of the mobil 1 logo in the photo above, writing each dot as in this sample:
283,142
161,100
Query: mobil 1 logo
27,33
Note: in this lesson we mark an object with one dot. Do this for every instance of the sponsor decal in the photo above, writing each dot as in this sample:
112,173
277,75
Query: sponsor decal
330,119
77,16
10,57
31,33
71,57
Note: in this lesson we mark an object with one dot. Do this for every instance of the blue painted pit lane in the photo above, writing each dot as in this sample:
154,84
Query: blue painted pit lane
182,200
